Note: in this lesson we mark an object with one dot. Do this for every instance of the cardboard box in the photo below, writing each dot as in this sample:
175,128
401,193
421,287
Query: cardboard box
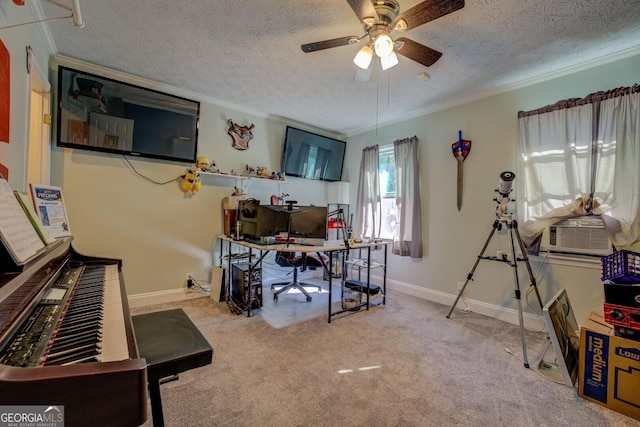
609,367
231,202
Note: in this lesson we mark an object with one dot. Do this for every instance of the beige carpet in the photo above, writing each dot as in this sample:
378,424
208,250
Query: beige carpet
293,307
404,364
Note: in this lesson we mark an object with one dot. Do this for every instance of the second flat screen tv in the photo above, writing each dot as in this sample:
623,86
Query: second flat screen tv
312,156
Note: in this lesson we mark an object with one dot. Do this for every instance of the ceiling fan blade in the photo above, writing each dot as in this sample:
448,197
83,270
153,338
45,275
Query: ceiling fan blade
363,8
418,52
424,12
326,44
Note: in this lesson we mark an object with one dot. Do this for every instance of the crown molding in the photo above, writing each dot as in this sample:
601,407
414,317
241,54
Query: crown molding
519,84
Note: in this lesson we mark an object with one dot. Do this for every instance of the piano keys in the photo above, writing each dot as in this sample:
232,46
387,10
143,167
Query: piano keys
66,338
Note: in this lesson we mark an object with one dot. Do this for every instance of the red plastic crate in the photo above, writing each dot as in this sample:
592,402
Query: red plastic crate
620,315
621,267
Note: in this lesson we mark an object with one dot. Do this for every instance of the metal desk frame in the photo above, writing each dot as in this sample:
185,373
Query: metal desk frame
329,247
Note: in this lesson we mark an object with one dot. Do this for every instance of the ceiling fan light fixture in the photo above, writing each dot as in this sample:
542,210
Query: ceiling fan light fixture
389,61
383,45
363,57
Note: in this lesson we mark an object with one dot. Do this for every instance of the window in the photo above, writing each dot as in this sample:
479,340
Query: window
310,167
388,203
577,157
387,171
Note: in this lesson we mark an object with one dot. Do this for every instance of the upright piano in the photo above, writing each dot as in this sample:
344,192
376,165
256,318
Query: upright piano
66,338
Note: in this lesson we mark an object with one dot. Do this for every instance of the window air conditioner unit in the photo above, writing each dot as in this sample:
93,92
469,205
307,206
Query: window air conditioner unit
584,235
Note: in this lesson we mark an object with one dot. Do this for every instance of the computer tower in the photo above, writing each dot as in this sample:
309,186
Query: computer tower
241,283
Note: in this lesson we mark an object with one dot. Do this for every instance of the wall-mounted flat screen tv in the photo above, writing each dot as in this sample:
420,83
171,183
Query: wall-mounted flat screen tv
312,156
101,114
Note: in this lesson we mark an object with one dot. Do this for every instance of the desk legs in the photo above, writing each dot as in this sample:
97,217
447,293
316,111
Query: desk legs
367,303
330,285
368,275
156,403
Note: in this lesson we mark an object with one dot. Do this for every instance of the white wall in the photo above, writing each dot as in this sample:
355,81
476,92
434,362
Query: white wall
452,239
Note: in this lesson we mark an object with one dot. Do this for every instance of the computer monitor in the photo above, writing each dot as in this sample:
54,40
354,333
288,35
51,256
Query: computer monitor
296,221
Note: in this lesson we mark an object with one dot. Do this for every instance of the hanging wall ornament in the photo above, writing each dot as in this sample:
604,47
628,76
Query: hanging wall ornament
241,135
460,150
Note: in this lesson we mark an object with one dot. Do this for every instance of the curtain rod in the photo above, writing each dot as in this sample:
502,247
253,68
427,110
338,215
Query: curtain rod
589,99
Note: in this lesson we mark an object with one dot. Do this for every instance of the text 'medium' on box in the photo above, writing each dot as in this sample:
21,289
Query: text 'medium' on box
609,367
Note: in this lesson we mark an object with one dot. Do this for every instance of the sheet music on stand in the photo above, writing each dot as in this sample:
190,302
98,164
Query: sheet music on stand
18,235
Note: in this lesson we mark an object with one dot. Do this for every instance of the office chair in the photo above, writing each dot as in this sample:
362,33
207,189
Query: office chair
291,259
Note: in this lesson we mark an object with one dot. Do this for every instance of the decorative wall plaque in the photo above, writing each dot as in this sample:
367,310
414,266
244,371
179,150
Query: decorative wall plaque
240,135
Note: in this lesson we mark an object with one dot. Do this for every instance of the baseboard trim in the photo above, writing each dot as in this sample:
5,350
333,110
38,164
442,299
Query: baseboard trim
162,297
508,315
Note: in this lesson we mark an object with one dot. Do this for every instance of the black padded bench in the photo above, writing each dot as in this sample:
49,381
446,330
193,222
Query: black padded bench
171,344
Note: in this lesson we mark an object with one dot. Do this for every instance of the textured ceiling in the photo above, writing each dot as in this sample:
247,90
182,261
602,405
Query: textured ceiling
246,53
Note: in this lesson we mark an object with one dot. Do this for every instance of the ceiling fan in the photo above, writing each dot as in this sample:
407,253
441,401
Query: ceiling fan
379,18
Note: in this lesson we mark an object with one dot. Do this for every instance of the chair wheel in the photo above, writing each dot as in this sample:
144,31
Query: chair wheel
308,299
275,297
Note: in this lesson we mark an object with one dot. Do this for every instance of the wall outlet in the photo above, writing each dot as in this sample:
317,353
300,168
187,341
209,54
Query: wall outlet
189,280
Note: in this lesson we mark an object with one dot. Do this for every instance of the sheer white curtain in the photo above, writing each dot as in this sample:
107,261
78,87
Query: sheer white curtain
582,156
619,169
407,240
368,206
554,159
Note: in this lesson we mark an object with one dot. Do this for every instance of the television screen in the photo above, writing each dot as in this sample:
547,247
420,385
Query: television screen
101,114
312,156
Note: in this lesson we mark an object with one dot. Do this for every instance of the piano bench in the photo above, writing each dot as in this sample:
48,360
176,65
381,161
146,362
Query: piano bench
171,344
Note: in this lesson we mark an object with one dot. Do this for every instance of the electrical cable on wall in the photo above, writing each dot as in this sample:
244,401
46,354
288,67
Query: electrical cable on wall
147,178
196,286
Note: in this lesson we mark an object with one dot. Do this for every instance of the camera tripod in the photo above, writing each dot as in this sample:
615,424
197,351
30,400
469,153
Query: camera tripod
512,226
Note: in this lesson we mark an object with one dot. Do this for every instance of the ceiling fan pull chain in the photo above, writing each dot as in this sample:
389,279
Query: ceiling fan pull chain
377,100
389,88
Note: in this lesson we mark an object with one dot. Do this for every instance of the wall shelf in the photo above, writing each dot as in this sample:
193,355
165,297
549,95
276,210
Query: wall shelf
223,176
241,181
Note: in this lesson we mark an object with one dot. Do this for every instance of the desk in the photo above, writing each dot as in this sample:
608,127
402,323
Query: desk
329,247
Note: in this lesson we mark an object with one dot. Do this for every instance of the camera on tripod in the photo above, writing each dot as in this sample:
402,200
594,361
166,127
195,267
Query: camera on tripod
513,238
505,182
